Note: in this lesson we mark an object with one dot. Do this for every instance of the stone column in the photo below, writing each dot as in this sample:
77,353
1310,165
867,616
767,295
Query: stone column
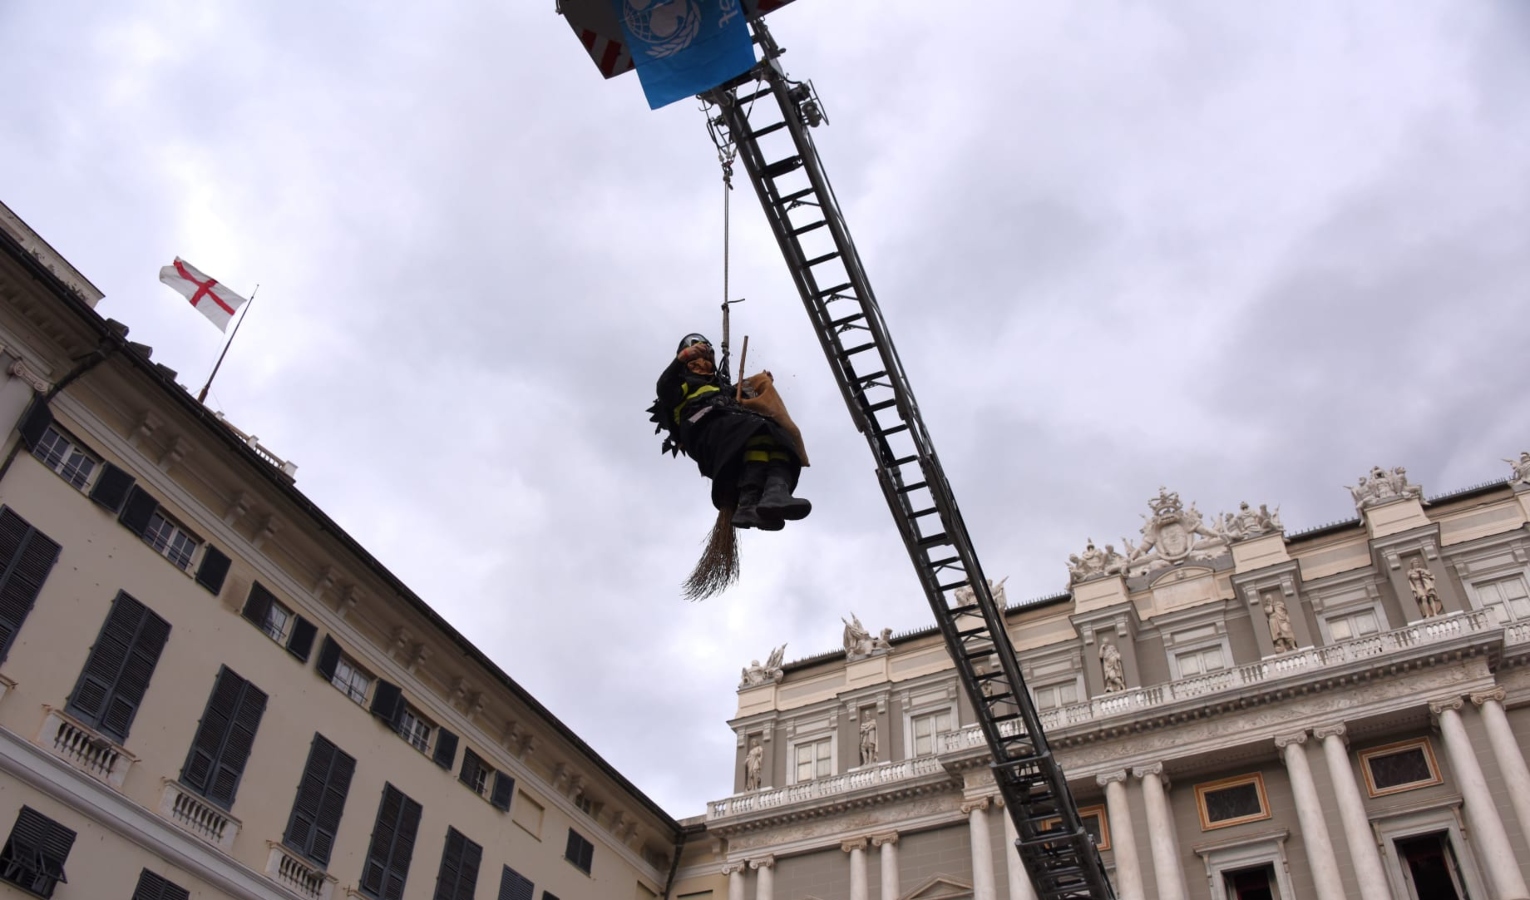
982,849
887,850
1511,762
1309,812
1123,841
1357,826
1166,868
735,873
765,877
1020,887
857,851
1481,812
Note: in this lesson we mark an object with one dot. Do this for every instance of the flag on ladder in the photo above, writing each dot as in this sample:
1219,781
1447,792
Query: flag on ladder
212,299
684,47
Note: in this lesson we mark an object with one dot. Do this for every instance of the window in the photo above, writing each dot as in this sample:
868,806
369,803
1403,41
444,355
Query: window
277,622
26,557
1430,863
65,455
1507,596
814,760
224,737
474,773
1257,883
320,800
528,815
170,539
1232,801
1051,696
119,667
459,868
579,851
155,887
1200,662
33,857
515,886
927,730
1358,623
413,728
350,680
392,845
1399,767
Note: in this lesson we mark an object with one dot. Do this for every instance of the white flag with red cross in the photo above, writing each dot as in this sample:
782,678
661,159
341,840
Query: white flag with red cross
212,299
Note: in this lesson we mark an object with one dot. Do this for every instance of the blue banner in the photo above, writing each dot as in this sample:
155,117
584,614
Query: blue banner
684,47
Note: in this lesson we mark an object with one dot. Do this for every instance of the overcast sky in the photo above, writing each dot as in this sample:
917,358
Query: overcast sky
1244,250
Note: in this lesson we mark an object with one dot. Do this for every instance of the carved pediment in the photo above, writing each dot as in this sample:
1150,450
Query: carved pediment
940,887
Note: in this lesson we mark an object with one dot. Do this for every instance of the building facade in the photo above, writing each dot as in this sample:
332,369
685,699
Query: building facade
207,689
1242,714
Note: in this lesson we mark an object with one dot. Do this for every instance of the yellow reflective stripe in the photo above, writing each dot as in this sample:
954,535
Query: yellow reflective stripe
756,456
686,396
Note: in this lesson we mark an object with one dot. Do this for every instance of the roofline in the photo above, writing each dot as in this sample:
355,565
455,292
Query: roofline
197,411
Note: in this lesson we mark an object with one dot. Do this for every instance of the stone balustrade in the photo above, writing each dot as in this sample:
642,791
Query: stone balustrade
81,747
195,815
865,777
297,874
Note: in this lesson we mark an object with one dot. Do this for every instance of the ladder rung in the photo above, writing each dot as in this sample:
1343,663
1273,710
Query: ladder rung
810,227
893,430
935,540
759,93
865,380
909,488
768,129
861,349
885,404
905,460
794,196
925,512
833,290
781,167
943,562
840,323
821,259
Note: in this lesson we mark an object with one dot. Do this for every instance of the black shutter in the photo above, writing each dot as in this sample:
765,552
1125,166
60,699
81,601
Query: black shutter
580,851
320,801
117,672
471,765
138,510
258,605
446,749
392,846
514,886
329,657
112,487
388,703
35,422
36,852
460,860
300,643
224,738
27,556
213,570
155,887
504,789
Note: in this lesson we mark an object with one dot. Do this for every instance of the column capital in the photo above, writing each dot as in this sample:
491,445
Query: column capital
880,840
1496,695
980,803
763,862
734,867
1109,778
1337,730
1150,769
856,844
1439,706
1282,741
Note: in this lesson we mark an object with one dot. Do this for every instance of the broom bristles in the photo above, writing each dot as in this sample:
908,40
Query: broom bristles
717,570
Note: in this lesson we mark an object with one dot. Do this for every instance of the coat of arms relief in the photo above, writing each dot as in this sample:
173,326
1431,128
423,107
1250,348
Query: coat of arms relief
1173,534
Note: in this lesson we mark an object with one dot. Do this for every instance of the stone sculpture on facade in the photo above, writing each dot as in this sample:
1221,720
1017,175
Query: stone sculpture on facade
753,761
1521,468
1111,667
1381,486
755,674
966,596
1171,535
868,741
1421,582
883,641
1281,634
1095,563
857,640
1249,523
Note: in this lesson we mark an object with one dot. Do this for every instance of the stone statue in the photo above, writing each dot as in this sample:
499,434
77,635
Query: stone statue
883,642
1095,563
857,639
753,760
1111,667
1521,468
1421,581
1171,535
755,674
1381,486
868,740
1281,634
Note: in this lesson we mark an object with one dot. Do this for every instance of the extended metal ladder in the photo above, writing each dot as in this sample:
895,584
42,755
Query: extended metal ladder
765,108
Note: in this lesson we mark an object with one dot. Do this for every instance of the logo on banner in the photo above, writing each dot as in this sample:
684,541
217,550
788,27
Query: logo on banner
667,27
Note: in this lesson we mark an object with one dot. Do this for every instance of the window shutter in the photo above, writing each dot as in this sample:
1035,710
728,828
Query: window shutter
329,657
446,749
470,766
35,422
460,860
320,801
242,726
300,642
155,887
258,605
388,703
514,886
112,487
119,667
213,570
580,851
212,730
392,845
138,510
27,556
467,879
504,789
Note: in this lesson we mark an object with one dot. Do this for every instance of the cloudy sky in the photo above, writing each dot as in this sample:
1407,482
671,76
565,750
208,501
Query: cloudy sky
1244,250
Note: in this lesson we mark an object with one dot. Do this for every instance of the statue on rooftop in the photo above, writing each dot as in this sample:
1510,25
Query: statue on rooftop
1383,486
1521,468
755,674
857,640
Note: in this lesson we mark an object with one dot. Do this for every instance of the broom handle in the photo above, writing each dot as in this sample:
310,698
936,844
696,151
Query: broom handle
738,389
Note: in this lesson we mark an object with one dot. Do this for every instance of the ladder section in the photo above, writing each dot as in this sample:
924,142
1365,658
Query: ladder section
764,117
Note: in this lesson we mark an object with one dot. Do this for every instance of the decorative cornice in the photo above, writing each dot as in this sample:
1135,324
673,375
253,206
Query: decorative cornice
1497,695
1282,741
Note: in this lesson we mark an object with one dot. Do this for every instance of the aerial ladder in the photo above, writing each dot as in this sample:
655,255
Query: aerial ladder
764,117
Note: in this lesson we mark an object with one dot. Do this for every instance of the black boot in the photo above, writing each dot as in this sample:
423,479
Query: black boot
746,514
777,500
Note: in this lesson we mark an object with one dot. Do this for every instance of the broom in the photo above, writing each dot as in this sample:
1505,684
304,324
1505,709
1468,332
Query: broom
717,570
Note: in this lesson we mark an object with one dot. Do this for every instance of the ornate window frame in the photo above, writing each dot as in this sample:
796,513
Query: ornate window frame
1196,631
1426,818
811,730
1206,787
932,700
1367,755
1246,852
1054,670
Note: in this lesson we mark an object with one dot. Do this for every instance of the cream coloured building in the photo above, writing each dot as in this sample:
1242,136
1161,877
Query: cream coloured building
207,689
1241,712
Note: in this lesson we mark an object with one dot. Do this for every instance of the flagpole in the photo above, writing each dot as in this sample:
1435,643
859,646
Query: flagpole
202,395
